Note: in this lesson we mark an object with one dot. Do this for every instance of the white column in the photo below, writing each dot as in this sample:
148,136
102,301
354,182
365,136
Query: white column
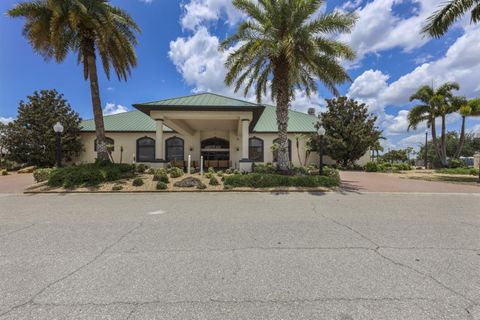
245,125
159,155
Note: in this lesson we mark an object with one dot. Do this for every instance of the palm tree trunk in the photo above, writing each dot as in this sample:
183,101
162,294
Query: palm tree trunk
283,99
102,152
434,139
444,143
462,139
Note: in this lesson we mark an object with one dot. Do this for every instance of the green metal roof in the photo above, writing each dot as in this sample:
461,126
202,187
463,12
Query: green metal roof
297,121
139,121
132,121
206,99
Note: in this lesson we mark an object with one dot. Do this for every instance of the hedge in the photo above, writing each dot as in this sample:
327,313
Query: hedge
89,174
257,180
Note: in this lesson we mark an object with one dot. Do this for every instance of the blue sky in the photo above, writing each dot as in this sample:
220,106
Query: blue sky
178,55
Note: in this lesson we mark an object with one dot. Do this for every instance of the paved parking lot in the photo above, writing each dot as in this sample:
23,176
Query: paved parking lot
240,256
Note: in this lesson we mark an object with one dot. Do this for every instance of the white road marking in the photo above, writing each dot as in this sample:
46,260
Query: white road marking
156,212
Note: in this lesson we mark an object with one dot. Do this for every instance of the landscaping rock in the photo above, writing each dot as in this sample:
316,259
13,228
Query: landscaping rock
27,169
188,182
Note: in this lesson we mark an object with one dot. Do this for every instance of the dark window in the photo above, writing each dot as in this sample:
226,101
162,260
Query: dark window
215,143
275,153
255,149
145,149
109,141
174,149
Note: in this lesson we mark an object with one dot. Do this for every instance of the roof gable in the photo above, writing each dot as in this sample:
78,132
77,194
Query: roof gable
206,99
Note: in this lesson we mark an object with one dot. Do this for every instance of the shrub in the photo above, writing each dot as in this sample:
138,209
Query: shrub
256,180
4,173
457,163
201,186
117,187
141,168
236,171
229,171
264,168
301,170
162,185
371,167
175,172
211,170
213,181
137,182
89,174
42,174
161,177
220,173
208,175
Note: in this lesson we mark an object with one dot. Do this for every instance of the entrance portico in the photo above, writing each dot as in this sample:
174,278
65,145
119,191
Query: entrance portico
211,129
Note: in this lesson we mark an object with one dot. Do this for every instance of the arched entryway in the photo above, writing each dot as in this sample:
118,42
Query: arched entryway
215,149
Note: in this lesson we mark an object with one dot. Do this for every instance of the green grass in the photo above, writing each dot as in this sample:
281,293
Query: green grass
460,171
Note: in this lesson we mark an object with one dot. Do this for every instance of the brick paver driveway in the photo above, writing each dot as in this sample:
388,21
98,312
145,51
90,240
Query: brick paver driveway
354,181
15,183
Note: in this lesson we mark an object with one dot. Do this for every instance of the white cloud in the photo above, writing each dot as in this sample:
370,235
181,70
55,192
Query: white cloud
112,108
414,140
5,120
202,66
198,12
460,63
147,1
379,28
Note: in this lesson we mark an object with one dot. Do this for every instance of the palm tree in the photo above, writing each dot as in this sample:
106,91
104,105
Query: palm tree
88,28
434,103
466,109
283,45
439,22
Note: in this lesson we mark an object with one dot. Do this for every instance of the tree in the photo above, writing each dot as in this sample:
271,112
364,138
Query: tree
88,28
284,45
471,145
466,109
439,22
434,103
350,130
396,155
30,138
3,132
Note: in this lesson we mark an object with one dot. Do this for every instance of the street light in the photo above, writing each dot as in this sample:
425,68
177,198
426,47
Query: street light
321,133
58,128
426,149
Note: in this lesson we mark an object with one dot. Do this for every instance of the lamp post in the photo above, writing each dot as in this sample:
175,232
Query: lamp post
321,133
58,128
426,149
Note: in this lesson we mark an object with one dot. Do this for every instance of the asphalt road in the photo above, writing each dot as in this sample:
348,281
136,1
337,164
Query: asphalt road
240,256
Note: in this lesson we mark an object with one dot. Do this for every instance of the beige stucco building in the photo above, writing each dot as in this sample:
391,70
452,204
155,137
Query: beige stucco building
222,131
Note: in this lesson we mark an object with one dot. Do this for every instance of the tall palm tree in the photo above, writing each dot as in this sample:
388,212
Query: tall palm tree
439,22
284,46
434,103
88,28
470,108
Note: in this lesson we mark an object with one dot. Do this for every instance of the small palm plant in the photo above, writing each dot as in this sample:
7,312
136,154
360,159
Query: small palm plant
89,28
284,45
